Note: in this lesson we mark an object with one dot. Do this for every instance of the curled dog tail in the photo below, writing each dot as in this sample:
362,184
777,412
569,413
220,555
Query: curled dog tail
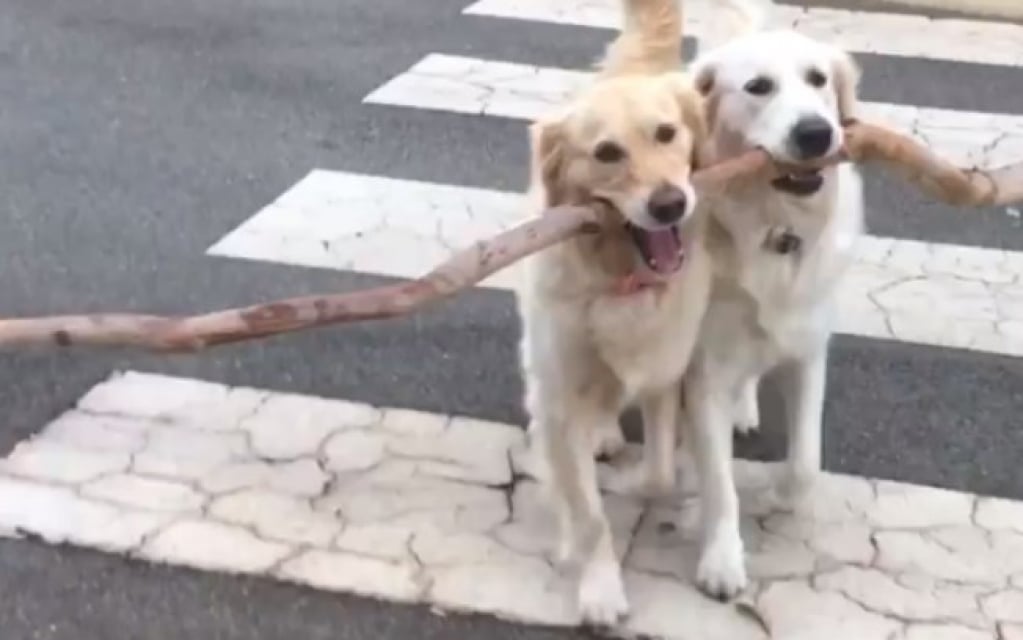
748,15
735,18
650,41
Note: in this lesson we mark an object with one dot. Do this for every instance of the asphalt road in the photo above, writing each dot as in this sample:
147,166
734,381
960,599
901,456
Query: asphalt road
135,133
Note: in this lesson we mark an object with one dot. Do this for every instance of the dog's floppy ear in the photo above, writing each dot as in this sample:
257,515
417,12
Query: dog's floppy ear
692,106
547,154
705,78
705,81
846,84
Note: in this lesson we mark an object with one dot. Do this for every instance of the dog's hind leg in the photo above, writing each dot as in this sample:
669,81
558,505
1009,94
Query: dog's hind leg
652,474
660,419
747,409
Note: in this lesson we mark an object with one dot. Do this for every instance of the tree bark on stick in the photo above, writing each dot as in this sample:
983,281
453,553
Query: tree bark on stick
864,143
929,172
194,333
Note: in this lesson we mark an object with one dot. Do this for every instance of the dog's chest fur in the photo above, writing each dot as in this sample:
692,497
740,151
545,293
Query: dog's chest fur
645,339
782,302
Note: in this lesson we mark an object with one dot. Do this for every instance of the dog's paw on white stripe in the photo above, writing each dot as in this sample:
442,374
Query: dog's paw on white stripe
721,573
602,601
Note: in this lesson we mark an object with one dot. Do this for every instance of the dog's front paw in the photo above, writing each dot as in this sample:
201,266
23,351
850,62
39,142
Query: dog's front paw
746,425
721,573
626,478
747,411
602,601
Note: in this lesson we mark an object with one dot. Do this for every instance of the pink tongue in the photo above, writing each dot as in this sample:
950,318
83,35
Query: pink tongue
662,248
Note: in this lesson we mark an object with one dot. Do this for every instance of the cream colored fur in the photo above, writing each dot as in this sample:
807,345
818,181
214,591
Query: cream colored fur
586,352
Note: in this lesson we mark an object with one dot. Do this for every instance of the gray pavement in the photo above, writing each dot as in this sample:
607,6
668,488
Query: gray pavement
134,133
102,597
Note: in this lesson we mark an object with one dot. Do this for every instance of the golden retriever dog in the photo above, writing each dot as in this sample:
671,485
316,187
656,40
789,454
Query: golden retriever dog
609,321
779,250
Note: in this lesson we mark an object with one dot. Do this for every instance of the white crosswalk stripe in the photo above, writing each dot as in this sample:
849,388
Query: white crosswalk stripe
432,508
984,42
440,509
504,89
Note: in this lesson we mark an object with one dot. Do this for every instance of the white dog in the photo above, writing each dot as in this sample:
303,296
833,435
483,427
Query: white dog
779,250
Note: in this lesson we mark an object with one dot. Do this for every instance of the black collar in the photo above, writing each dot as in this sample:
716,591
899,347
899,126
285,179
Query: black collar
799,184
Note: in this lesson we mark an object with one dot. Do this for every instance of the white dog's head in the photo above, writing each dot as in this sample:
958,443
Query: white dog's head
778,90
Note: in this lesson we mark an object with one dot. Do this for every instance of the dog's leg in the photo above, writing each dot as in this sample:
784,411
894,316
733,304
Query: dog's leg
660,419
721,573
585,530
747,410
607,439
804,406
685,457
653,474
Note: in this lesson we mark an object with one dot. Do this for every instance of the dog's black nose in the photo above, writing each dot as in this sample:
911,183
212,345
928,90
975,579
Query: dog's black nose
667,204
812,136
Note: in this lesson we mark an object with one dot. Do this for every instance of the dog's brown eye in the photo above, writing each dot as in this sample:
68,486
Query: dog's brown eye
760,86
665,133
608,151
816,78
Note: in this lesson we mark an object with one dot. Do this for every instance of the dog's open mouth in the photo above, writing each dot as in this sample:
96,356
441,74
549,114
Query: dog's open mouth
803,183
661,249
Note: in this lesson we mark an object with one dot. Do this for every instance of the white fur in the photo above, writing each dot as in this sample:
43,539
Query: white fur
745,121
767,310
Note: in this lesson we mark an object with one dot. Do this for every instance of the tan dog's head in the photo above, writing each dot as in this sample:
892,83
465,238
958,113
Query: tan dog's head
630,142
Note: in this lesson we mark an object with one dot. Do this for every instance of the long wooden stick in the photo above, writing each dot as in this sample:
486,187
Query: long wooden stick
193,333
864,143
931,173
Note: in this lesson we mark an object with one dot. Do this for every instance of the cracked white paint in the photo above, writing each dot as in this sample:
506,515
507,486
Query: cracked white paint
422,519
984,42
511,90
397,227
918,292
